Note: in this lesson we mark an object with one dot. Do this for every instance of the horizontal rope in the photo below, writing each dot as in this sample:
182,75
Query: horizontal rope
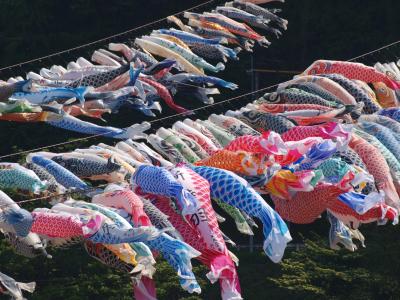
374,51
103,39
274,71
151,122
179,114
67,193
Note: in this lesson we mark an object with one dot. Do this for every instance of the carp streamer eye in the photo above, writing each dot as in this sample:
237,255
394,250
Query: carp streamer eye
273,97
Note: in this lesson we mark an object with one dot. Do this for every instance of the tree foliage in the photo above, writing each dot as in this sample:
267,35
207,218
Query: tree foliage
313,272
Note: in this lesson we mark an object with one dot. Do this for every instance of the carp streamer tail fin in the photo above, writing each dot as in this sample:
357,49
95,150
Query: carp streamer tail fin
178,254
224,270
276,233
136,131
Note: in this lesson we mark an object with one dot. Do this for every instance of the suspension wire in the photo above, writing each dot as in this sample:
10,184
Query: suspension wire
159,120
64,194
184,113
151,122
374,51
104,39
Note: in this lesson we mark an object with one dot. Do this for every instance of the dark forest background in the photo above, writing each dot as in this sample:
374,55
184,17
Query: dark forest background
331,29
